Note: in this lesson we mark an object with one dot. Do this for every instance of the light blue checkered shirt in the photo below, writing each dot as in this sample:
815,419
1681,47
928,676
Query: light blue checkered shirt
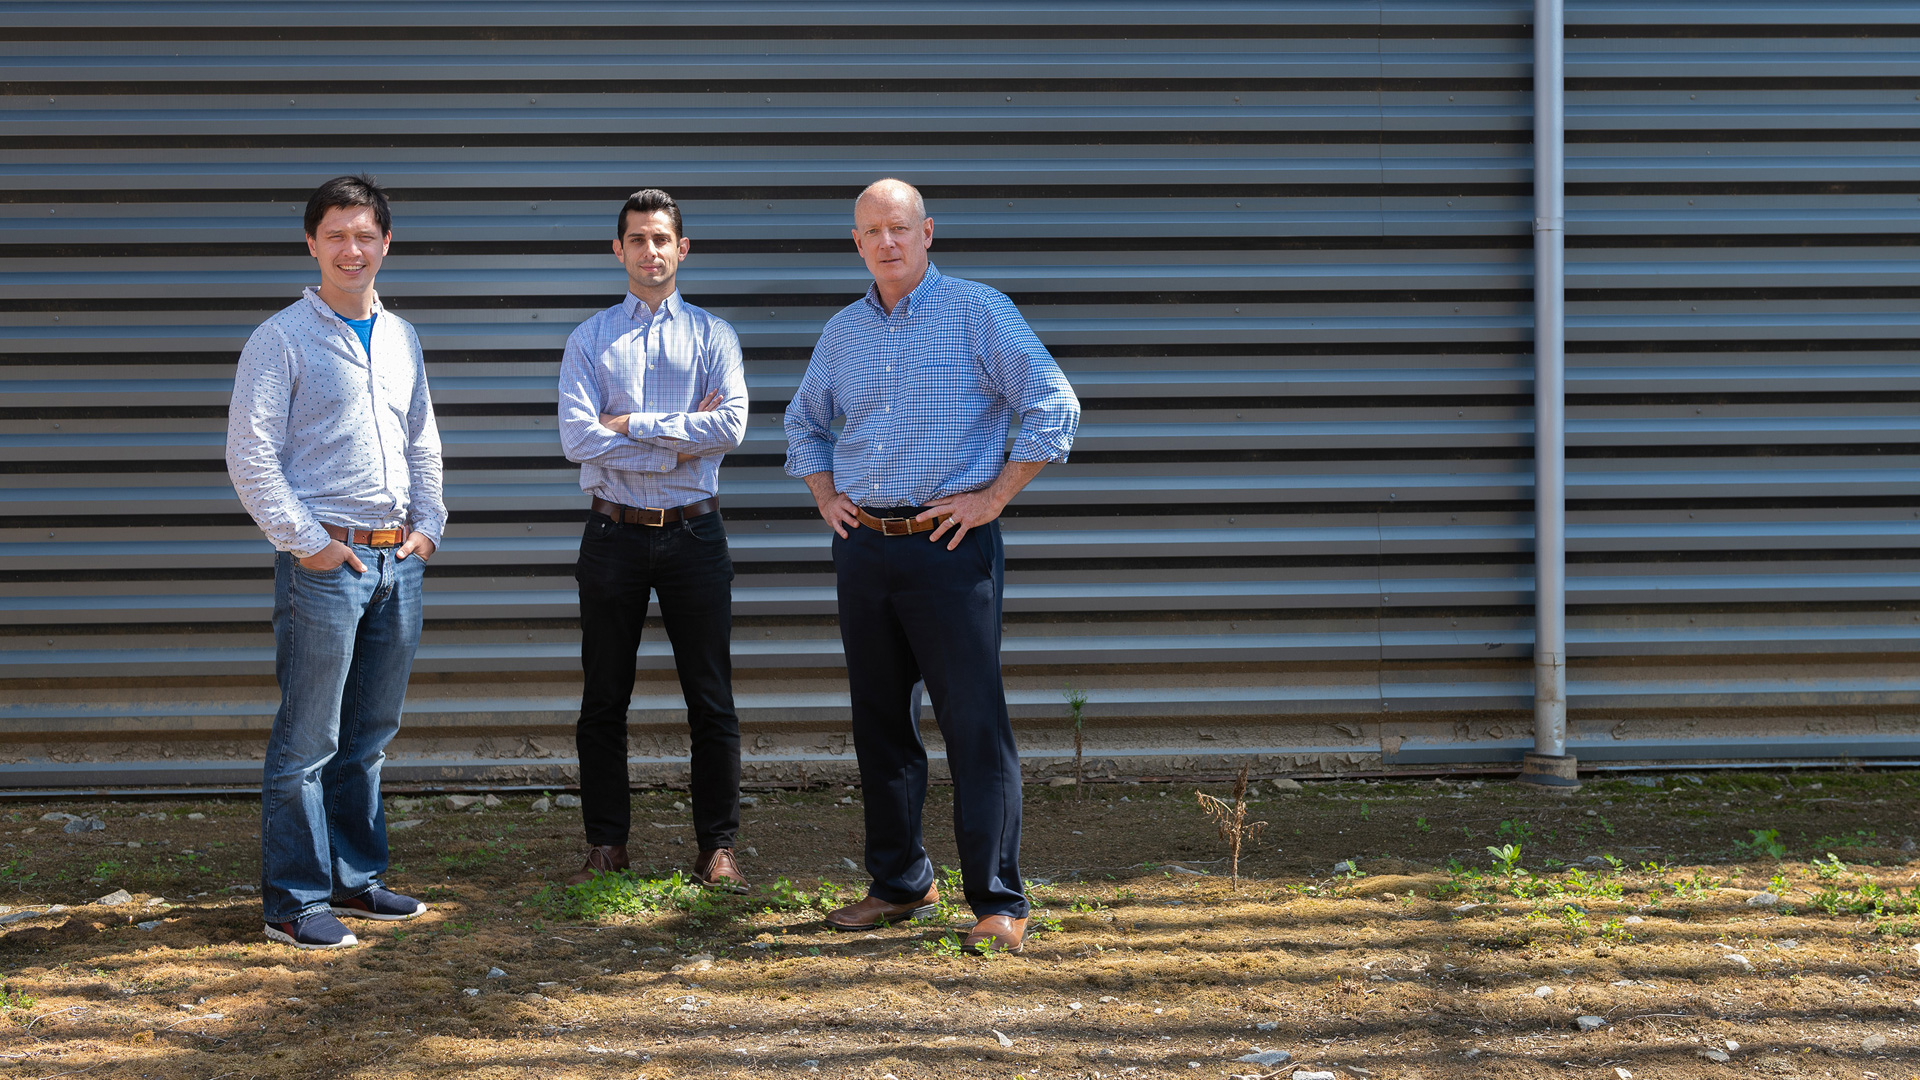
656,365
929,393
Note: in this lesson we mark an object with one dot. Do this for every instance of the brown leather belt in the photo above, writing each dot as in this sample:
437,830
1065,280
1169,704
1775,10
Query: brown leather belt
643,515
380,538
895,526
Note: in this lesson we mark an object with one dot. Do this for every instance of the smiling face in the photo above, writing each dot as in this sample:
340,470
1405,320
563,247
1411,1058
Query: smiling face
349,245
652,254
893,236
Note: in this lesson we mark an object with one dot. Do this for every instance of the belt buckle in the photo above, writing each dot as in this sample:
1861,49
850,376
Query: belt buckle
384,537
896,526
647,515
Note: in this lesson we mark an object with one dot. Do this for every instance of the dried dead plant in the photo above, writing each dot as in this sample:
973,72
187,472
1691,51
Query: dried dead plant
1231,817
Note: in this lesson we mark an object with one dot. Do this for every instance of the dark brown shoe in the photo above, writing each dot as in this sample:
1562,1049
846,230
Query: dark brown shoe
997,933
873,911
716,869
601,859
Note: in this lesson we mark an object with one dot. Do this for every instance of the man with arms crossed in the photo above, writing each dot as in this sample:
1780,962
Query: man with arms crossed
332,447
652,395
928,371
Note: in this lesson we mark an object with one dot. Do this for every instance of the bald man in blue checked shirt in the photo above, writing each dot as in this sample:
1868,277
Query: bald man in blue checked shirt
928,372
652,395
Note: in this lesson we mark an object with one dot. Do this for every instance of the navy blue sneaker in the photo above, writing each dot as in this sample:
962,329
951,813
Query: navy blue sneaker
379,903
315,930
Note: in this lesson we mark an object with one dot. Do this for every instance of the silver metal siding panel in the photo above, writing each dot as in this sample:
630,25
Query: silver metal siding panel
1281,249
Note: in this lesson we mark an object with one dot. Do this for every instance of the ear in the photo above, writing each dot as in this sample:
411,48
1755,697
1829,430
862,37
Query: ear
386,242
855,232
311,250
616,247
929,227
686,245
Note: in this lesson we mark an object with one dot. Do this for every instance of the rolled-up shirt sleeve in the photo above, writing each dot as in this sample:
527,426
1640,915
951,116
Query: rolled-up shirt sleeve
810,416
584,438
1030,380
256,439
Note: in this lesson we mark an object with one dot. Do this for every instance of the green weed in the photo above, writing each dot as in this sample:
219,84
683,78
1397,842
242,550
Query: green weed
16,999
952,891
1421,824
1830,869
12,874
949,945
1594,886
1575,921
1507,856
1764,842
625,893
1615,932
784,895
1516,831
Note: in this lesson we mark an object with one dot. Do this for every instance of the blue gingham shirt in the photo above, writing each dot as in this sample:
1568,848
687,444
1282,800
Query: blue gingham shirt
321,431
929,393
656,365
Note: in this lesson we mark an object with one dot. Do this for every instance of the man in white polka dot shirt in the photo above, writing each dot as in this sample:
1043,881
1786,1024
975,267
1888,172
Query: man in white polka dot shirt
332,447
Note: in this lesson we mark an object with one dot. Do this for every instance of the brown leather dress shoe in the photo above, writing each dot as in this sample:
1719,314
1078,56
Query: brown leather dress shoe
1002,933
601,859
716,869
873,911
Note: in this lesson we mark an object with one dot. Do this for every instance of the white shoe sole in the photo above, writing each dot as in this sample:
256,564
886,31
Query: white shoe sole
285,938
356,913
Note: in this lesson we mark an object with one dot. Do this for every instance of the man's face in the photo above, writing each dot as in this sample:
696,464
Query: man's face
650,251
349,246
893,240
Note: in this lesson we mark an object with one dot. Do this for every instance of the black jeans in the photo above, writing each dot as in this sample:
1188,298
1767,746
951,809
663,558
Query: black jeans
911,609
686,564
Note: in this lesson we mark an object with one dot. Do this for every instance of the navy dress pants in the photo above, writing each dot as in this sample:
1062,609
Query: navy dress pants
910,611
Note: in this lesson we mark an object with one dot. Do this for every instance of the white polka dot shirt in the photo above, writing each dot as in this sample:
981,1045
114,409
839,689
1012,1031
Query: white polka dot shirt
318,432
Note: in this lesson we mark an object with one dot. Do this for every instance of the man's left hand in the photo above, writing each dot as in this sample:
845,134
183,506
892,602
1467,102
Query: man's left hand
618,424
967,510
417,544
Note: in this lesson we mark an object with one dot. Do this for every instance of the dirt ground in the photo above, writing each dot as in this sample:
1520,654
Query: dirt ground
1426,956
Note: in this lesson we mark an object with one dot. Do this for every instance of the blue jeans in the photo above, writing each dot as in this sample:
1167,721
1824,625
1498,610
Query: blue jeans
343,647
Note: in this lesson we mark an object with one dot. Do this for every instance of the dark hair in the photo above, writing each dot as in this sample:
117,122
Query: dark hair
349,191
646,201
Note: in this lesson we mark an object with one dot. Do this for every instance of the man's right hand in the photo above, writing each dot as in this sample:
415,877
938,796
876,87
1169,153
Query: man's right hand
331,556
835,508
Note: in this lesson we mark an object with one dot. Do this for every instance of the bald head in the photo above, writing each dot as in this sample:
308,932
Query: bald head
892,231
893,194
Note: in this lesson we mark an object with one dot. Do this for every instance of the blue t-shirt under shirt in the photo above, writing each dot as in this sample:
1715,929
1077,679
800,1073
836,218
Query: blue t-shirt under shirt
362,329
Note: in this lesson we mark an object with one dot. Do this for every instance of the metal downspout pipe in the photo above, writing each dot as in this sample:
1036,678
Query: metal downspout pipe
1548,767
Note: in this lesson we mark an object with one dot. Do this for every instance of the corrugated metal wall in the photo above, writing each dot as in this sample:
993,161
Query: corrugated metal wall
1282,249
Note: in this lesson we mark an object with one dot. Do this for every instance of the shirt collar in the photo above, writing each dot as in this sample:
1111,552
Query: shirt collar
908,302
669,308
312,293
